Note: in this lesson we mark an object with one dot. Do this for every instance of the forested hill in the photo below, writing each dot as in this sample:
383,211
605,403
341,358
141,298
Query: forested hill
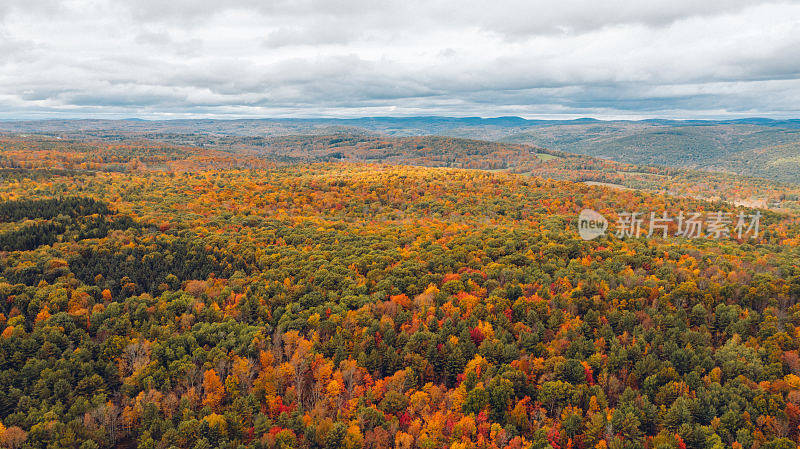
769,150
372,306
170,152
750,147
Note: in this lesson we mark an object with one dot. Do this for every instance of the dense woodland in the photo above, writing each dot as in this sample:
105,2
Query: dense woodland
750,147
354,305
41,154
330,307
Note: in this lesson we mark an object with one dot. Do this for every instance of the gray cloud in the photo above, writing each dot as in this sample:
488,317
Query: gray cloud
361,57
510,17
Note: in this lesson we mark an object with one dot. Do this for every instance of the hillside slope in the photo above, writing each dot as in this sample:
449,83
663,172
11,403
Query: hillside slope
187,152
710,144
780,163
696,146
371,306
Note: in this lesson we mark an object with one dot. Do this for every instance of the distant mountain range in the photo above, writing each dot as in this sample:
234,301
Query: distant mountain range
750,146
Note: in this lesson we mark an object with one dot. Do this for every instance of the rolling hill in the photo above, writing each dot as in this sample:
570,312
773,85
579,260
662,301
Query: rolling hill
715,145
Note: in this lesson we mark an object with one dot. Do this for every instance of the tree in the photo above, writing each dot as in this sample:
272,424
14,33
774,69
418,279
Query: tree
556,394
500,391
213,389
13,437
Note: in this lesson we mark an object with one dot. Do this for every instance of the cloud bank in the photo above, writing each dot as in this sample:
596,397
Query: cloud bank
313,58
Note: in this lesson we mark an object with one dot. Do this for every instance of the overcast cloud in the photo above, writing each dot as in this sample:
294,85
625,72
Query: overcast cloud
312,58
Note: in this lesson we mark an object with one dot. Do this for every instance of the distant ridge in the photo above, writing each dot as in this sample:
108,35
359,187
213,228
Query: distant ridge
502,120
751,146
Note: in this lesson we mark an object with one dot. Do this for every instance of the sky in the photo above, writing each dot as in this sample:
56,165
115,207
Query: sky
607,59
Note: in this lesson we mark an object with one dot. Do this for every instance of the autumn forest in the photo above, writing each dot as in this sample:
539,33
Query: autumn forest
351,291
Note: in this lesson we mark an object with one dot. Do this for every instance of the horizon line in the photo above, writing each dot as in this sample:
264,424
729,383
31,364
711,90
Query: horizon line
401,117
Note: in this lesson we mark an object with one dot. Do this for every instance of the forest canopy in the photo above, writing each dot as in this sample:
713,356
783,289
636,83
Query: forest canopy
355,305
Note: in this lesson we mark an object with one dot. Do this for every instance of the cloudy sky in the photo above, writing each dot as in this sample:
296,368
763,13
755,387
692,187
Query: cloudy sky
344,58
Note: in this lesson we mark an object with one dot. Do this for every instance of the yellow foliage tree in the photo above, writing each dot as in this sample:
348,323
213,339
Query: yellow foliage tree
214,391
